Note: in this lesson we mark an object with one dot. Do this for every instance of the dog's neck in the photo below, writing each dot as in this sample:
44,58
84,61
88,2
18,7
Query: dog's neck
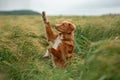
67,36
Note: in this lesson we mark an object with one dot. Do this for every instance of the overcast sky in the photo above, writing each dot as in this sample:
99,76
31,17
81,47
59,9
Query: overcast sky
64,7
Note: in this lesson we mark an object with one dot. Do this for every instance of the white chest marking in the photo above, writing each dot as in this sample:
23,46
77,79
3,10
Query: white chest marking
57,41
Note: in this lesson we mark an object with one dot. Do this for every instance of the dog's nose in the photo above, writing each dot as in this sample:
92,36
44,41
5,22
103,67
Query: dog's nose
57,25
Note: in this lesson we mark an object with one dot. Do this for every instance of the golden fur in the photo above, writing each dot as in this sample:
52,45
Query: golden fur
63,43
65,48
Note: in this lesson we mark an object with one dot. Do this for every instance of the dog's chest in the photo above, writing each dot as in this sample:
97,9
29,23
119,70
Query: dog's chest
57,41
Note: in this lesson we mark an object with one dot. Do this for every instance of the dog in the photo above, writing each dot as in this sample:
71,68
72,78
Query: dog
62,43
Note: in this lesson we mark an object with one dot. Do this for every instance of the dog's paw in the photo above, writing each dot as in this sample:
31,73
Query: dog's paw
45,56
51,50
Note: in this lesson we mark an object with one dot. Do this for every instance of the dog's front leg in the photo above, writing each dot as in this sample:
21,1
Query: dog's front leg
54,52
50,35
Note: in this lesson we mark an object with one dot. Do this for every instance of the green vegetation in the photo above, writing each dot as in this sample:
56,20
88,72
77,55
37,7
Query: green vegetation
23,43
19,12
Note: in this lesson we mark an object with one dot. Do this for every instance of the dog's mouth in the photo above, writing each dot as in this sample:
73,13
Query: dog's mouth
57,25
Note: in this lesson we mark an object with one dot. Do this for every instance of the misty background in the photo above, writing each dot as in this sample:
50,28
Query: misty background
64,7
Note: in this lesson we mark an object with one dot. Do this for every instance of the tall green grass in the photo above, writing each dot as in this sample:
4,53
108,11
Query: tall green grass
97,49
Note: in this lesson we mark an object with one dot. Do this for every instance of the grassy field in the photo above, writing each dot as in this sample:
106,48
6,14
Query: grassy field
23,43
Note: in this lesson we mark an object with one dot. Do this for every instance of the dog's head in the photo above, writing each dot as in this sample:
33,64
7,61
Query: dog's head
65,27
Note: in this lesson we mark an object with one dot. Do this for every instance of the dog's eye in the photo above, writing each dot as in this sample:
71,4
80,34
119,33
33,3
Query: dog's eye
69,24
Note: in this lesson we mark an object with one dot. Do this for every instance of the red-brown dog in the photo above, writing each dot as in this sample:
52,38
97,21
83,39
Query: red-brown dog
63,43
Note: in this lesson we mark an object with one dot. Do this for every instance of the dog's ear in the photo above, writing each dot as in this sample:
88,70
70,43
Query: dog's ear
71,28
